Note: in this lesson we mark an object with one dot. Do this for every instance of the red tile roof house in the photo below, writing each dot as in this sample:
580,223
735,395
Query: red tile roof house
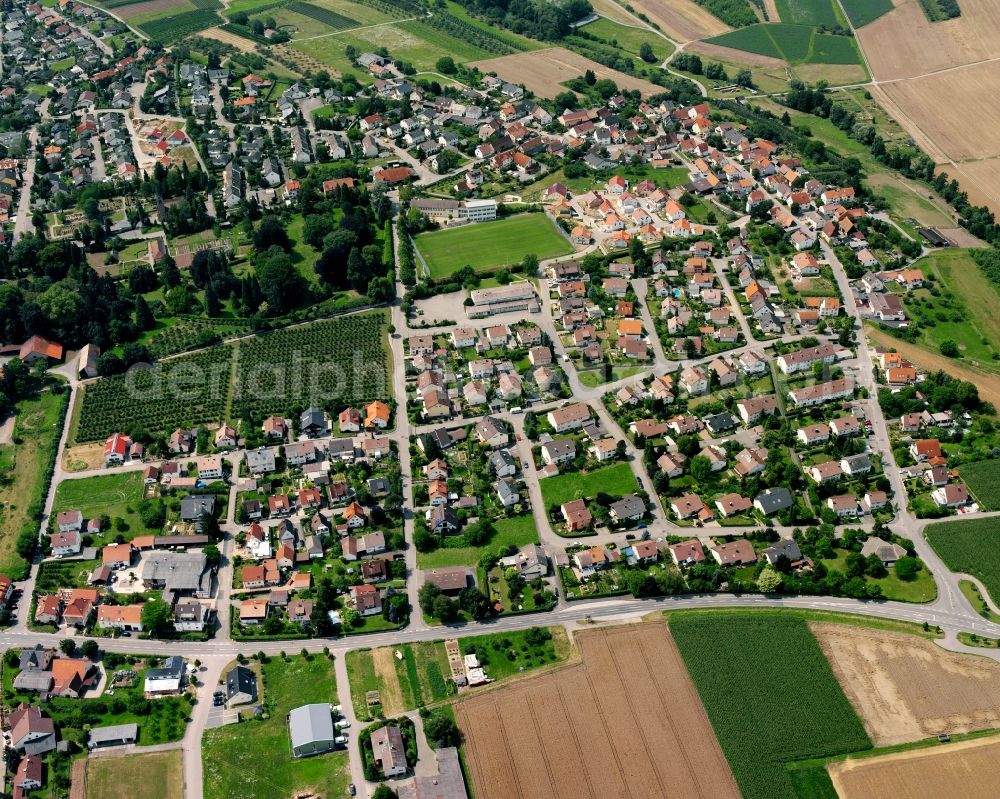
116,449
366,600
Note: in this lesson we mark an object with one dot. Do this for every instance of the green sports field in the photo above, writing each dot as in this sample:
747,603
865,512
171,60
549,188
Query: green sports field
490,245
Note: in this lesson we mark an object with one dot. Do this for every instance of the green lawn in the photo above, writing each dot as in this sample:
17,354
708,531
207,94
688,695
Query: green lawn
157,775
971,546
971,593
921,589
506,654
517,531
489,245
252,760
770,694
615,480
24,466
115,495
965,311
627,38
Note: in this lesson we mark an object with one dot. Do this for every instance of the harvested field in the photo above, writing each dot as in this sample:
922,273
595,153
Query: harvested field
682,20
960,137
966,769
906,688
627,721
732,54
544,71
981,179
385,668
833,74
904,44
228,37
614,12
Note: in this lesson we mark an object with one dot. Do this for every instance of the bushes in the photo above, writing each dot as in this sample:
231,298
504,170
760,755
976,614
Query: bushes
736,13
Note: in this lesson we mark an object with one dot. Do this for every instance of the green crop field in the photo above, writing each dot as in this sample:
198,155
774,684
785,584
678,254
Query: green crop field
734,13
983,479
807,12
796,44
770,694
971,546
516,531
252,760
490,245
862,12
616,481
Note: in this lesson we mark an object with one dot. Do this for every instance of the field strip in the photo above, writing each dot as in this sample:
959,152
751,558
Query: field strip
955,68
352,30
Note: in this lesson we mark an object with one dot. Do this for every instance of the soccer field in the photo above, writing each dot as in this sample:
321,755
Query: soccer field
489,245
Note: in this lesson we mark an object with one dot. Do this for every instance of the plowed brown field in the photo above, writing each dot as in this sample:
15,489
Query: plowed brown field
627,721
967,770
544,71
682,20
906,688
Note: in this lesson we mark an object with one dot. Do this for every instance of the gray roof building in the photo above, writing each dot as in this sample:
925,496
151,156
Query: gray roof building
194,505
630,507
115,735
773,500
177,572
260,461
786,548
241,686
311,730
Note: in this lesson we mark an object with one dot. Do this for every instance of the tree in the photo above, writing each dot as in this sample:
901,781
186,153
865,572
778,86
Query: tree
209,526
383,791
155,616
271,233
90,649
442,730
701,469
279,280
67,646
744,78
212,305
212,556
769,580
906,568
143,316
444,609
949,349
646,53
446,65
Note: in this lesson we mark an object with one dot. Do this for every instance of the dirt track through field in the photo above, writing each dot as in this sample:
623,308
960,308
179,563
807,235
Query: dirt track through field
966,770
544,71
626,722
613,11
906,688
682,20
385,668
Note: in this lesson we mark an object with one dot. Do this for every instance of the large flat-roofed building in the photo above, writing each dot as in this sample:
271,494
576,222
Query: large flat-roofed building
311,730
472,210
179,573
517,297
